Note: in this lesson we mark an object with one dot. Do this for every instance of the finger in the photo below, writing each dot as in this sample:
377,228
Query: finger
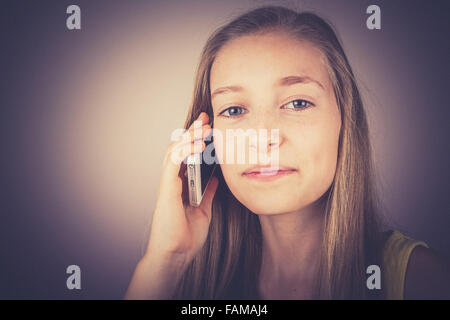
178,154
180,150
194,131
197,134
191,148
201,120
183,150
171,181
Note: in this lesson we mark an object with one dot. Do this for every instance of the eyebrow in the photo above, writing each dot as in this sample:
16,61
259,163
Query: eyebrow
283,82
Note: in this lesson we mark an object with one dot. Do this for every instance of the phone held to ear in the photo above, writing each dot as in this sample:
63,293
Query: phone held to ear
199,173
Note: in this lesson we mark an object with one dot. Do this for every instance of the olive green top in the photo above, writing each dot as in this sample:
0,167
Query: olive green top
396,253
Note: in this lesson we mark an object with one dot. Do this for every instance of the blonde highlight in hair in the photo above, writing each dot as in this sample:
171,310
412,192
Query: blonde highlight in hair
228,265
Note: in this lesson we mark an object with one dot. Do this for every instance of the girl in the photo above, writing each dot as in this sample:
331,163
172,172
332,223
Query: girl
310,229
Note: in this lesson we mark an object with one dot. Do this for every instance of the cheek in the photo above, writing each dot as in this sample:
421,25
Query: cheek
324,151
321,151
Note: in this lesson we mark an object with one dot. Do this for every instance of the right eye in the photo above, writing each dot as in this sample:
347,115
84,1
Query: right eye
233,111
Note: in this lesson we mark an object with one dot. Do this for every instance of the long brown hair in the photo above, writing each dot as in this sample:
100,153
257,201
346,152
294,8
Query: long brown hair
228,265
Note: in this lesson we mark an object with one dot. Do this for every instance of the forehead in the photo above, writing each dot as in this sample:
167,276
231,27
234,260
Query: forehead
262,58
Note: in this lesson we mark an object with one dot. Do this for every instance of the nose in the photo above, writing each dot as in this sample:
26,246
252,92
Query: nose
265,140
268,136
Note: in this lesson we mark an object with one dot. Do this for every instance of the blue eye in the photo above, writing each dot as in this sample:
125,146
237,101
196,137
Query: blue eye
233,111
298,104
295,105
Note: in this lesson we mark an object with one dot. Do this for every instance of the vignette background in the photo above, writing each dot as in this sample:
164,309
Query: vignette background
86,116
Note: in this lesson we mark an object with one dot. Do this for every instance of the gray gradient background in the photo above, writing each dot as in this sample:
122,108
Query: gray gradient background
86,117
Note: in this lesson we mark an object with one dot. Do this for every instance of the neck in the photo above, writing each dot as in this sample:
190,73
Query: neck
291,248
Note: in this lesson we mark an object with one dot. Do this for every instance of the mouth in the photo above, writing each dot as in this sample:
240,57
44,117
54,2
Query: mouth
268,173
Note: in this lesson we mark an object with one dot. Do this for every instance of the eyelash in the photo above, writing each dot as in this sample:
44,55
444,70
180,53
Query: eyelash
283,106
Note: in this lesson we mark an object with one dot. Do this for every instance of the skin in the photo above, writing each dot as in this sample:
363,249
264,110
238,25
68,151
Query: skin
290,214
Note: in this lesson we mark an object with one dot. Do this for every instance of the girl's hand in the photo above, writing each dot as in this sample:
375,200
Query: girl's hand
178,229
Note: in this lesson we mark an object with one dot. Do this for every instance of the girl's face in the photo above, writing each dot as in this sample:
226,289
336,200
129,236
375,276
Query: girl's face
274,81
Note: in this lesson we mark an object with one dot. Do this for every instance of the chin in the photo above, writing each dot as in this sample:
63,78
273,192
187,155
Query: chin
269,205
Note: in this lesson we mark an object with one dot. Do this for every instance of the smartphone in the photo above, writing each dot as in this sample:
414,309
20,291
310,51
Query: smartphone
200,172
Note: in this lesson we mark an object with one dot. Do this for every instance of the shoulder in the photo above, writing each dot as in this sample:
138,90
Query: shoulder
427,275
412,270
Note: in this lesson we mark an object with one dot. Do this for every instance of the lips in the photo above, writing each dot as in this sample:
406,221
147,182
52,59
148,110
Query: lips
268,170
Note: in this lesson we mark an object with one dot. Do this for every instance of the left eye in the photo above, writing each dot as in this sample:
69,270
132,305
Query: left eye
298,104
